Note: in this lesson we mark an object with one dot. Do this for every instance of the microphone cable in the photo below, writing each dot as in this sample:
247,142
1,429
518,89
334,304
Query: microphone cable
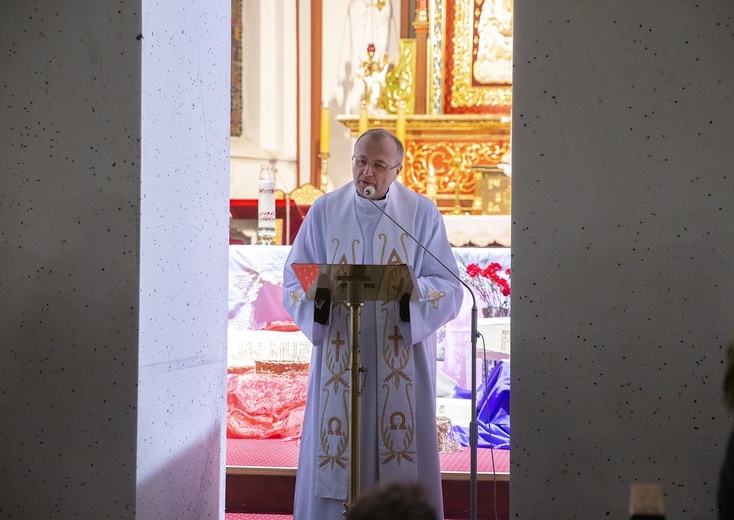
485,373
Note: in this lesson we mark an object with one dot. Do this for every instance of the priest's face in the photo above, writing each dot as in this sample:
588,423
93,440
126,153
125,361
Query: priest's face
375,163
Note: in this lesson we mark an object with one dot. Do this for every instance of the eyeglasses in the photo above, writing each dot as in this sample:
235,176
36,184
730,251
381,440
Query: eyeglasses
379,168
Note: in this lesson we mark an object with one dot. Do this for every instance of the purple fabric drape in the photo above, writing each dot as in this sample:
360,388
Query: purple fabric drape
493,410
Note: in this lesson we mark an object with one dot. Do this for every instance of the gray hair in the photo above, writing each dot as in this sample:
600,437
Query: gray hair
381,133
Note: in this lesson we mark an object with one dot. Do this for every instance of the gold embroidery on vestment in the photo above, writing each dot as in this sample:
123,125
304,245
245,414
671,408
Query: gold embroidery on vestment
338,342
334,436
435,297
406,432
395,337
394,259
394,425
335,421
396,363
296,298
336,243
338,458
394,255
337,363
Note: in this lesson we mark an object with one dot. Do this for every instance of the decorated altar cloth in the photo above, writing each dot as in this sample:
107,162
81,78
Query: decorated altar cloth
260,333
478,230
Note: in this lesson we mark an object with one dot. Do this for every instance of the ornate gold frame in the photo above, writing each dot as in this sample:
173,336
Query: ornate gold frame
452,37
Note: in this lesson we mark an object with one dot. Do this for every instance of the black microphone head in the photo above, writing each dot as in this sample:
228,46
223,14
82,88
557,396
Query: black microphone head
369,192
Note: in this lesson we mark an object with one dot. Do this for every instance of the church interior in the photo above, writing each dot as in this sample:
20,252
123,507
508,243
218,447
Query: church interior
437,74
579,153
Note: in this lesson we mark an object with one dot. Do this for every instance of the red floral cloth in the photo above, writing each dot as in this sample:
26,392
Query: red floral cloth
261,406
280,325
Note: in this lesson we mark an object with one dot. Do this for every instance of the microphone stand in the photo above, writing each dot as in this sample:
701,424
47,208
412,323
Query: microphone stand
473,427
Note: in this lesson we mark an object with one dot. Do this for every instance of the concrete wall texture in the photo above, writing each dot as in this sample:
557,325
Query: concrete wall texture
114,150
622,242
113,190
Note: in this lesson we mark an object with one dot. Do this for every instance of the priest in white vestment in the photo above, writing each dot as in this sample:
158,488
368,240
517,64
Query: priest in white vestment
398,432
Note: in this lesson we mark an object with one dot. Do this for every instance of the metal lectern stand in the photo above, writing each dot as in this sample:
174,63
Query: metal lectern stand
354,284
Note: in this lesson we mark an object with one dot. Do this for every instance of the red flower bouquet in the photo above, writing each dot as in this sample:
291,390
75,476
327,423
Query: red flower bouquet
492,284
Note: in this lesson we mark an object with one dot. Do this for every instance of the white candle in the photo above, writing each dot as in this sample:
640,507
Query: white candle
266,205
431,183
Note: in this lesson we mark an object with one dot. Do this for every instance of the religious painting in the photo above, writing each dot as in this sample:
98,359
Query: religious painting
235,119
471,57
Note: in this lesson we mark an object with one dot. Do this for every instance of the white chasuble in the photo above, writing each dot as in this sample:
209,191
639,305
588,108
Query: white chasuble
399,436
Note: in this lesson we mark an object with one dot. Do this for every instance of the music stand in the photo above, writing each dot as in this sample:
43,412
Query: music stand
354,284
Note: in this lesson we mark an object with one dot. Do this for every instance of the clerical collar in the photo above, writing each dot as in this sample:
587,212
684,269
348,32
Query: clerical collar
381,198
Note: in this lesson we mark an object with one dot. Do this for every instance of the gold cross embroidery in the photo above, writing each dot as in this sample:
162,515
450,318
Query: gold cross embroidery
338,342
395,337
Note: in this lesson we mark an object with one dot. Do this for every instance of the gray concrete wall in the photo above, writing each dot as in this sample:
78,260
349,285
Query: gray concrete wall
623,239
113,211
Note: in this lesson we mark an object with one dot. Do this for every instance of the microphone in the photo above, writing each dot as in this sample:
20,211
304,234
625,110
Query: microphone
369,192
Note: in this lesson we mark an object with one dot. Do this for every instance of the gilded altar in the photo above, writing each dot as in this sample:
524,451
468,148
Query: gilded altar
448,98
453,159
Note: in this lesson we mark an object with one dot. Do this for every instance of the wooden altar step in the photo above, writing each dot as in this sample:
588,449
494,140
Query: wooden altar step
260,481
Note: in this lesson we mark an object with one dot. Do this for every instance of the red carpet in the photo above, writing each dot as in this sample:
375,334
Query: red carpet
261,481
255,516
281,454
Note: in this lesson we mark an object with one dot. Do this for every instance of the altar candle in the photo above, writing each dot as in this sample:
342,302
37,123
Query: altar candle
431,184
325,120
362,120
401,124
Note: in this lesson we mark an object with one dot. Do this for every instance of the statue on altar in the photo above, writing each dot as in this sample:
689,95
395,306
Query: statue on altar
372,72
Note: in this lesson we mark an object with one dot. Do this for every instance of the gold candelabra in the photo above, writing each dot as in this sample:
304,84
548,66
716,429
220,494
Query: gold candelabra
324,181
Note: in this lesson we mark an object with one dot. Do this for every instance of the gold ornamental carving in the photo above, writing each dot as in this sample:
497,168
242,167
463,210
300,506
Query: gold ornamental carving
449,146
399,83
452,163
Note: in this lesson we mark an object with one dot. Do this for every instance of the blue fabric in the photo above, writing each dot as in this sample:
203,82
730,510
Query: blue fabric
493,410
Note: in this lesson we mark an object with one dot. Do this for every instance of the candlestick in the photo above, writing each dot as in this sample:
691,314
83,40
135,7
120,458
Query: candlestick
457,200
324,181
325,133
